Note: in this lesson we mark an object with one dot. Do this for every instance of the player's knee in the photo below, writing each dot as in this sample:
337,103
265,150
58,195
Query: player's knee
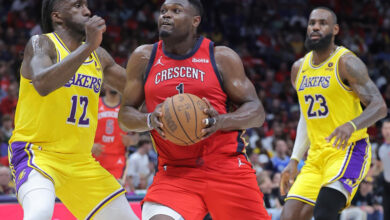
321,213
329,203
117,209
162,217
38,212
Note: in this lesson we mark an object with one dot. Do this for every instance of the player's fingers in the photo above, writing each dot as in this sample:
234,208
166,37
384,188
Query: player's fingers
329,138
335,143
160,131
283,182
207,132
207,102
209,121
346,142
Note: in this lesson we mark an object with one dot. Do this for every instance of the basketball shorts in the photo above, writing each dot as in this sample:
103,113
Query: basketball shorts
224,187
328,165
80,182
113,163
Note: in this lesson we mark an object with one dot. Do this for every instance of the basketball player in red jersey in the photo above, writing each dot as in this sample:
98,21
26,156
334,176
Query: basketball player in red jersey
108,148
213,175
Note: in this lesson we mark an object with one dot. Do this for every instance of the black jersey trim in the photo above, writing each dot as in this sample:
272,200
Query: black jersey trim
151,61
214,64
183,57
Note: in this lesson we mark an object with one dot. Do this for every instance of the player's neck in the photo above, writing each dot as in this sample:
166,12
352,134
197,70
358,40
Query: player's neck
182,47
320,56
71,39
112,101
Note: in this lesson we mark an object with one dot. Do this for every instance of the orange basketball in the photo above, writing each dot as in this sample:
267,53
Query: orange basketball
182,116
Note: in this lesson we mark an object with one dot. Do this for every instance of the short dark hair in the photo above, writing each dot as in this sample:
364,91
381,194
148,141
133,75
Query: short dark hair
334,16
47,9
197,4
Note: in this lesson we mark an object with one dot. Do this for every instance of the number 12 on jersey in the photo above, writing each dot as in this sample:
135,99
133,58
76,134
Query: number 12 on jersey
83,122
322,111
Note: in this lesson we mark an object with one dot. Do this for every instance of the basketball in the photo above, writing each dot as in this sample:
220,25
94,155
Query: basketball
182,117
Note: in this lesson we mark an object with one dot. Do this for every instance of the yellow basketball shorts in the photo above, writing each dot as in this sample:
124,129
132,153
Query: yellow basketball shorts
327,165
80,182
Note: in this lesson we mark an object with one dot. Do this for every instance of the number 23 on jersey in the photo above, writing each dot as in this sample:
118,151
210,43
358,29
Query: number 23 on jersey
318,107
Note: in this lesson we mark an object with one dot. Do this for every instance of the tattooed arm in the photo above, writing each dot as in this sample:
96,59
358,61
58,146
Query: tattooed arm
354,72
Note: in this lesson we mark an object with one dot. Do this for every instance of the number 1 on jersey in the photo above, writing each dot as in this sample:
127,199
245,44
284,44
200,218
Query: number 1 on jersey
180,88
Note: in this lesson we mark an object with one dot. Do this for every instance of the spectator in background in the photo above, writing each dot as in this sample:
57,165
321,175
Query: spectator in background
139,169
271,201
7,127
109,148
281,159
6,186
383,164
8,103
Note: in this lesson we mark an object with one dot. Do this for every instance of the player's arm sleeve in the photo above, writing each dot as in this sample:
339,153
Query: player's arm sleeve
302,141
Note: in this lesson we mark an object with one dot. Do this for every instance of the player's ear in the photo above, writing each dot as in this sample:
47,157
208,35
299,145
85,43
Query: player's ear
196,21
336,29
56,17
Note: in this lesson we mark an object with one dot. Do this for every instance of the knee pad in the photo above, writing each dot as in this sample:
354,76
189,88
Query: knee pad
329,203
117,209
37,197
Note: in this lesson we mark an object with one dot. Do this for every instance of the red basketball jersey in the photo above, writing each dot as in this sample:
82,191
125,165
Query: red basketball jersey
196,73
108,132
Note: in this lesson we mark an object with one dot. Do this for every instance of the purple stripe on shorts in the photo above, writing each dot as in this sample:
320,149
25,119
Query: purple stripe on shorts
35,166
104,202
355,166
19,161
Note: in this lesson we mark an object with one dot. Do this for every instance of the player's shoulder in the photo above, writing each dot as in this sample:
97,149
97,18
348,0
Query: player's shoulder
224,51
297,64
145,49
226,56
40,40
39,44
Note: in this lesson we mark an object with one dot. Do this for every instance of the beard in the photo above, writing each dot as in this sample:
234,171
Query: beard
79,28
164,34
319,44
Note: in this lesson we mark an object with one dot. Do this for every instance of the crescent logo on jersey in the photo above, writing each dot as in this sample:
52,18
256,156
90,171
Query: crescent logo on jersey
179,72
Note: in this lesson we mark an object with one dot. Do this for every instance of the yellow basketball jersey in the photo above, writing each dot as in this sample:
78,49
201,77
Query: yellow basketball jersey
325,101
65,120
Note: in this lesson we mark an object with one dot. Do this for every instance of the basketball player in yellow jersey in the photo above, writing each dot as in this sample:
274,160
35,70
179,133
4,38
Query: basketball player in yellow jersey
330,82
56,118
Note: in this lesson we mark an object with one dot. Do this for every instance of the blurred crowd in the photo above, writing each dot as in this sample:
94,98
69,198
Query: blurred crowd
268,35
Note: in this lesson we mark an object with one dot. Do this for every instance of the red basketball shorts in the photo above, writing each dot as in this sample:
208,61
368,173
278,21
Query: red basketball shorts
224,187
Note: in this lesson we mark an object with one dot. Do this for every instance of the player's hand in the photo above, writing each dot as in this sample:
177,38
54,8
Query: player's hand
212,123
97,149
342,135
288,176
155,120
94,29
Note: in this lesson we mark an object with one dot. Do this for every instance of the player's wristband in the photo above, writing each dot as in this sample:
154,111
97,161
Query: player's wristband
149,121
353,125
